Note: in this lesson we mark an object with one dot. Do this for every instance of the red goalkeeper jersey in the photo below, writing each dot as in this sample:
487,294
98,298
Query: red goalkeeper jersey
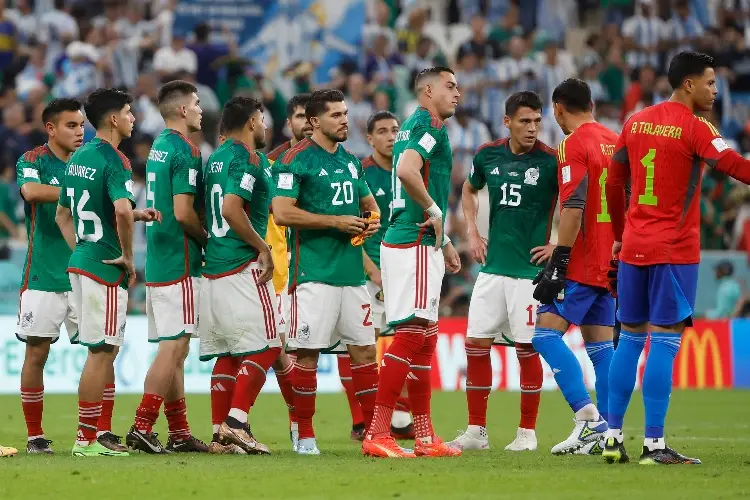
662,150
583,158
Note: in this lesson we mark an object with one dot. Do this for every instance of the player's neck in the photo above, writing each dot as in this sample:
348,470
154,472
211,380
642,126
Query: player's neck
324,142
431,108
384,162
110,136
58,151
682,99
178,125
578,120
246,139
517,149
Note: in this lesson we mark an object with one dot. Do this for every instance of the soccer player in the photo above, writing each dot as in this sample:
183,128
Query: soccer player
382,128
578,267
320,193
521,176
413,259
95,215
237,323
297,123
661,151
46,300
173,263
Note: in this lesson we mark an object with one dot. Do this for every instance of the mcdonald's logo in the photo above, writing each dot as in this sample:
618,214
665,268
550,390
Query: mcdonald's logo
703,349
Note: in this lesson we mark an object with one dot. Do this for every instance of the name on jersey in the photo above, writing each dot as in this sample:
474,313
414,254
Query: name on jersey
215,167
156,155
649,128
81,171
403,135
607,149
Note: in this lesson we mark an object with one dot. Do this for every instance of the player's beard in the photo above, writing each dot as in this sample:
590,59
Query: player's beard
260,140
336,136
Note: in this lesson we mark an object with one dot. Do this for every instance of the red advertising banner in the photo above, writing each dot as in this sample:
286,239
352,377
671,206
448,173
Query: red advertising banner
705,357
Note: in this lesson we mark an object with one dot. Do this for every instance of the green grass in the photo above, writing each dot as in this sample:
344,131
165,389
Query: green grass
712,425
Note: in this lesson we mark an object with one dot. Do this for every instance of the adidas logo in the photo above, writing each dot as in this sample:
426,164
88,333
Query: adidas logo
243,371
322,173
495,171
54,182
411,376
218,387
380,192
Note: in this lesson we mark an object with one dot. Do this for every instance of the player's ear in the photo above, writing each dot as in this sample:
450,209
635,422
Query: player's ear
506,121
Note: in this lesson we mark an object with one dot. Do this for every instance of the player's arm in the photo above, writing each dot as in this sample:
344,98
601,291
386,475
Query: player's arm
367,203
371,269
470,207
32,190
186,174
287,213
710,146
120,190
64,220
617,179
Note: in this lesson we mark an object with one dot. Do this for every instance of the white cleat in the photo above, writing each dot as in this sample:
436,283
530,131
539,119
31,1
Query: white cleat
294,435
473,438
592,448
584,432
307,446
525,441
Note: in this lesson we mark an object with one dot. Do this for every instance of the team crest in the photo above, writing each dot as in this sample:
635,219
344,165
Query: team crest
532,176
353,171
433,305
303,332
27,320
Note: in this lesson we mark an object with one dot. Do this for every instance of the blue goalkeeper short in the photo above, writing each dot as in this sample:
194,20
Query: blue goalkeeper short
583,305
660,294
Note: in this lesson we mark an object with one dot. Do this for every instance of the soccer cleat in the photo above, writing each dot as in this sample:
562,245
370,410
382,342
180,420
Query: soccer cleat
216,448
525,441
665,456
358,432
614,451
473,438
7,451
144,441
96,449
39,446
583,433
435,448
403,432
592,448
242,438
112,441
384,447
307,446
189,445
294,435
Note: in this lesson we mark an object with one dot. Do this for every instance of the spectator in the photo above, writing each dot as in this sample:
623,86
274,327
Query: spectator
380,62
57,28
13,135
174,58
149,118
472,78
412,32
79,72
380,26
8,202
728,292
25,20
640,93
683,30
736,57
591,77
381,101
359,111
556,65
466,134
8,38
207,54
33,74
479,43
507,26
613,75
643,34
426,56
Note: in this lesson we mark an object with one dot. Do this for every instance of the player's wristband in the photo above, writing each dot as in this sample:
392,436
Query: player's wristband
434,212
446,239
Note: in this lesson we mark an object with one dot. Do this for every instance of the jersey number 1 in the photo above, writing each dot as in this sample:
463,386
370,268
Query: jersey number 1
648,198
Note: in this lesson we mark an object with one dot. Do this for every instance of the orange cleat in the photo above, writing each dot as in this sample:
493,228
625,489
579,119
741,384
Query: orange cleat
437,448
384,447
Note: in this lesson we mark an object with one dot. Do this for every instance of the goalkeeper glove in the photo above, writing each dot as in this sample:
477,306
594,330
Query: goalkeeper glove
551,280
612,276
360,238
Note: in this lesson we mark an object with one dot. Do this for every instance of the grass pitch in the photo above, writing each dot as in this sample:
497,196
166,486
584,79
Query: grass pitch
711,425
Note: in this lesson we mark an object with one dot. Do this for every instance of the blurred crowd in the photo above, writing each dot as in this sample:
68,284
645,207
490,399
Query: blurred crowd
55,48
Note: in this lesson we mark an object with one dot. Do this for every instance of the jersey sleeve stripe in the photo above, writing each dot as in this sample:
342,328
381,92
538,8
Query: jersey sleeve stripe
125,160
561,151
544,148
279,151
490,144
300,146
710,126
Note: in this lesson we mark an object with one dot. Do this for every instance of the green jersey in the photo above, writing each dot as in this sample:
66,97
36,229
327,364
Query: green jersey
523,195
234,169
173,167
47,254
327,184
379,182
428,136
98,174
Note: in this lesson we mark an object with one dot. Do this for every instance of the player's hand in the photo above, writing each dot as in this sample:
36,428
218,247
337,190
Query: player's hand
452,259
478,246
126,264
540,255
376,278
616,247
551,280
614,266
265,263
350,224
373,226
436,223
147,215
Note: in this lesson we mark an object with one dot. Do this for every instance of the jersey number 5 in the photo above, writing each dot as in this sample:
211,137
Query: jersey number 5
84,216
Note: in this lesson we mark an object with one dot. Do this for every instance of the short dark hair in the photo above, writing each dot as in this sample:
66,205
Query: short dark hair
298,101
237,111
376,117
60,105
101,102
319,100
574,94
429,73
524,99
202,32
172,91
687,64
